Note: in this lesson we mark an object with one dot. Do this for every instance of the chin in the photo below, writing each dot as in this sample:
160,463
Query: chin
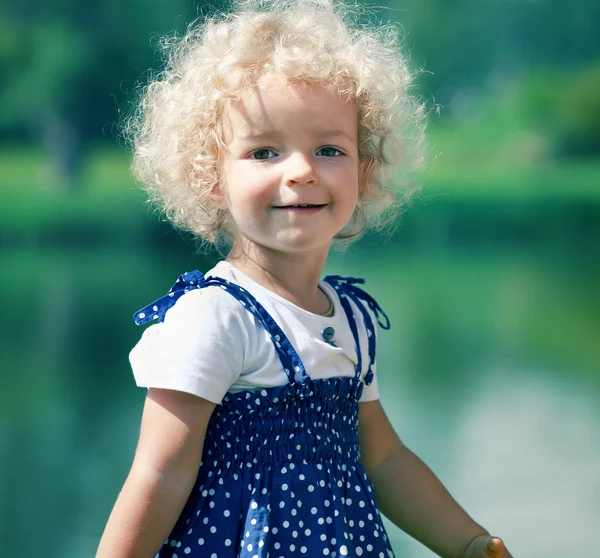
299,245
290,242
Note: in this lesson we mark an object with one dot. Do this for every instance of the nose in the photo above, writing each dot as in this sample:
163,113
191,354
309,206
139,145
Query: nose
300,170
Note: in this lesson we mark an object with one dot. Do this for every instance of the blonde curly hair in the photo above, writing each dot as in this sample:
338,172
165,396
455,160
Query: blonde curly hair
177,132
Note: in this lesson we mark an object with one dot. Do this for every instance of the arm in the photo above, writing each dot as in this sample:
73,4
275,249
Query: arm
408,492
162,476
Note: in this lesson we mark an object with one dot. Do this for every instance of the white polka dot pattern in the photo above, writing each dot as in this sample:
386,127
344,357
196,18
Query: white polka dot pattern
281,473
282,478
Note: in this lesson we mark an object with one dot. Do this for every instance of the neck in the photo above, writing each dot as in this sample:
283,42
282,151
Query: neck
294,277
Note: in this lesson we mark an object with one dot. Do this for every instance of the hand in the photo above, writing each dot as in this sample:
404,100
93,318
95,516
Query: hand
486,546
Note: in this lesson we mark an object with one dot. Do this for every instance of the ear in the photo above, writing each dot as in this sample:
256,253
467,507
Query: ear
217,197
364,172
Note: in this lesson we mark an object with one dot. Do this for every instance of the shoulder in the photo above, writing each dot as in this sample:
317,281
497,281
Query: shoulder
193,298
209,312
196,316
208,300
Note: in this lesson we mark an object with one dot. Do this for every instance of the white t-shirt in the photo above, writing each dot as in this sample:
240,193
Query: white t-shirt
209,344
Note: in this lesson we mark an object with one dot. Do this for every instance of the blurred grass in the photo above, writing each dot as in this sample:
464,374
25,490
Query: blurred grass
470,162
34,197
498,158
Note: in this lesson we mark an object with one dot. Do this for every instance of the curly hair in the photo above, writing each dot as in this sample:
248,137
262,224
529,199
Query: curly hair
177,134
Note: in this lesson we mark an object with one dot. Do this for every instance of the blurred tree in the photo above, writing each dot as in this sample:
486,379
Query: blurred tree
68,68
47,59
472,43
564,108
580,115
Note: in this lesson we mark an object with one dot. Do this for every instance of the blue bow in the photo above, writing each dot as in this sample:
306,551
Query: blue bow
348,284
156,310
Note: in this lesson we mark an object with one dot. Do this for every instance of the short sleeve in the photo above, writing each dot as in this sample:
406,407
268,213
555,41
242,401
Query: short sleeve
371,391
197,349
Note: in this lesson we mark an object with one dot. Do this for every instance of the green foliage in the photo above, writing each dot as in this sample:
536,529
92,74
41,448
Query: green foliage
50,55
580,115
80,61
565,108
464,43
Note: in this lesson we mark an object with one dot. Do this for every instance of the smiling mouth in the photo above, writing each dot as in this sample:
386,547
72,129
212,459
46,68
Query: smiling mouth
301,206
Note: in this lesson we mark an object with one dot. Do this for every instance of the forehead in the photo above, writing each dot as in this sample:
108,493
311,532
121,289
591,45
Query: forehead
276,104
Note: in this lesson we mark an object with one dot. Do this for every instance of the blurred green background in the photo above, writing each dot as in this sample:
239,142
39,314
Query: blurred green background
491,371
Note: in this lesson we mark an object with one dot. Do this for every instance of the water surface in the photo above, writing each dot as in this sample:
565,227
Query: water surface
491,373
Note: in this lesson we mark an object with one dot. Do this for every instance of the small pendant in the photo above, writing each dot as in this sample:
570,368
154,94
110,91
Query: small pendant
328,334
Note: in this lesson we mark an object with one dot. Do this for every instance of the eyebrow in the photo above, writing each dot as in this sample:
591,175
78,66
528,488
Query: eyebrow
260,134
337,133
256,134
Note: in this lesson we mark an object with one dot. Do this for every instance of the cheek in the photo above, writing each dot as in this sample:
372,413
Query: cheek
247,185
348,182
258,185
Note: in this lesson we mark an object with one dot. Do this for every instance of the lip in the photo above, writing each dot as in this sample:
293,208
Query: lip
301,208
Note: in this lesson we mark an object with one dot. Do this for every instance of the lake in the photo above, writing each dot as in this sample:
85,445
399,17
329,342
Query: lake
490,373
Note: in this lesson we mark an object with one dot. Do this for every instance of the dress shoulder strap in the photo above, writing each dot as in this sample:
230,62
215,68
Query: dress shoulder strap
347,290
196,280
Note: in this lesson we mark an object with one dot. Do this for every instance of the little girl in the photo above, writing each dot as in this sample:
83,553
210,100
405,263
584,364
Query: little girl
262,433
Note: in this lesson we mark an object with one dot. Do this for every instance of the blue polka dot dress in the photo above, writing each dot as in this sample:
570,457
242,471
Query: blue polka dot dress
281,474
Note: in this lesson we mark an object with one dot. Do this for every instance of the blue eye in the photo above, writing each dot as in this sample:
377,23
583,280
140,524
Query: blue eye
263,154
329,151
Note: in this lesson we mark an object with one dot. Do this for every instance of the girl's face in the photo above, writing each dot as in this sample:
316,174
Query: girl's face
291,178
